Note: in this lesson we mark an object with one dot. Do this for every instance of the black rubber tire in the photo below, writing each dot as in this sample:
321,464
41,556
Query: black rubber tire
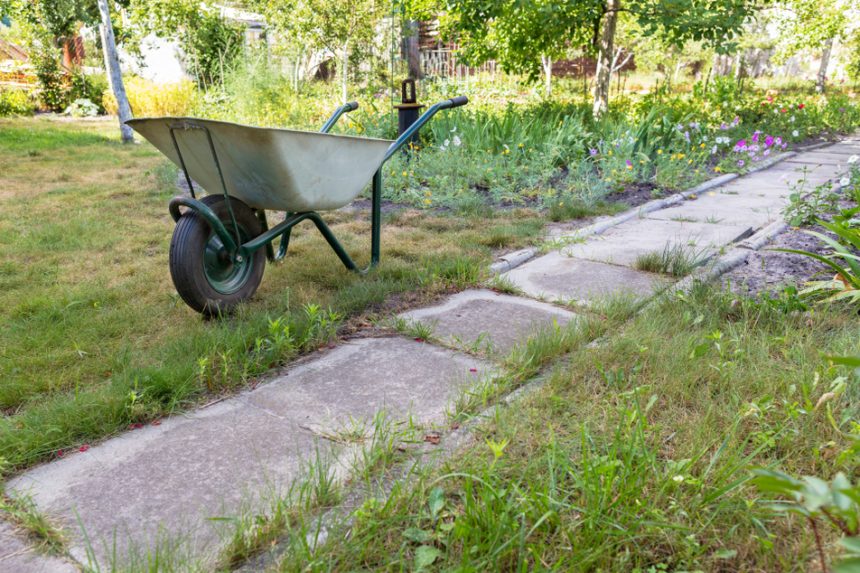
187,251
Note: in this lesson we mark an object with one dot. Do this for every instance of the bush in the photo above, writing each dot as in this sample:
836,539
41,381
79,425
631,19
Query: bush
89,87
16,102
148,98
54,88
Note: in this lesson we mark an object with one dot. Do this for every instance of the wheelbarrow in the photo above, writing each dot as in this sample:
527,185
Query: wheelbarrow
221,241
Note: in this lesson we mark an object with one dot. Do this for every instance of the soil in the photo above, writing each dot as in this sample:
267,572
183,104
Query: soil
635,194
767,270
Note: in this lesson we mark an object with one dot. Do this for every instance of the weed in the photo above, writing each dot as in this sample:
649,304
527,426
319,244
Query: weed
675,260
22,511
804,208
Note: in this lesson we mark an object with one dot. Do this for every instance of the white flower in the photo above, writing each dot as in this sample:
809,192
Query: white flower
714,150
457,141
791,119
678,479
453,129
845,182
853,159
795,133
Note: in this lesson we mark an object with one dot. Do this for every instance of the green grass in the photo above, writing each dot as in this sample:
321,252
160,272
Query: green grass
94,338
634,456
676,260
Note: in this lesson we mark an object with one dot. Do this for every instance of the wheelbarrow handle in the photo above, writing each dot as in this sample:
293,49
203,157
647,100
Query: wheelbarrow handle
455,102
345,108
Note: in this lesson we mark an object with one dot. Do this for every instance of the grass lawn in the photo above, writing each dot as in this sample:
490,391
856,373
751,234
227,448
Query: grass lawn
92,334
635,455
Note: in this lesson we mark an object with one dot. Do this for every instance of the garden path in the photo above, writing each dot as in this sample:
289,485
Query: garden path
161,485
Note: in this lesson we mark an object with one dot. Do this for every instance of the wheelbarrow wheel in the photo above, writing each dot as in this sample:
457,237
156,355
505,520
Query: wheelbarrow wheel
205,276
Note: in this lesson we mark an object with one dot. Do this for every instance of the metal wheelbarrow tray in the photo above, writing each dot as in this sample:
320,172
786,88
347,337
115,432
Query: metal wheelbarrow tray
222,241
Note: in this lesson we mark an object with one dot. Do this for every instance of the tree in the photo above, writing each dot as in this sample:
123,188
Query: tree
522,34
813,24
114,72
335,26
209,42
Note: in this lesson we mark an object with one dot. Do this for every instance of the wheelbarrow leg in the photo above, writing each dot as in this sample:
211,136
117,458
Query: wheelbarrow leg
376,218
285,238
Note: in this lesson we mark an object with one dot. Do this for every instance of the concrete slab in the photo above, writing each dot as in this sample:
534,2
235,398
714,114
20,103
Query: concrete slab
713,207
356,380
623,244
489,320
819,158
559,277
18,556
165,481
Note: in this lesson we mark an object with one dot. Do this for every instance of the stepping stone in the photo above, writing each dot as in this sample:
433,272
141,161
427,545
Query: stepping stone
165,481
819,158
489,320
356,380
622,245
559,277
720,208
17,556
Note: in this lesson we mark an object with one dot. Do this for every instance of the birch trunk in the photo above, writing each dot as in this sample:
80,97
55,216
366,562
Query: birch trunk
821,80
114,72
604,58
546,62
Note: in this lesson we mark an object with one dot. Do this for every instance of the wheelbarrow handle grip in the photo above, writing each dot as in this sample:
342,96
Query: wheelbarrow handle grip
456,102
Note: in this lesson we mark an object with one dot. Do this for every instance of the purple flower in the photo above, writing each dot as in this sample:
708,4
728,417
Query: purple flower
768,141
778,141
592,152
783,146
755,136
741,145
629,164
723,126
741,163
736,121
687,136
766,152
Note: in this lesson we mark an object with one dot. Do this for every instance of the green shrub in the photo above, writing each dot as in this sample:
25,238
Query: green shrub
16,102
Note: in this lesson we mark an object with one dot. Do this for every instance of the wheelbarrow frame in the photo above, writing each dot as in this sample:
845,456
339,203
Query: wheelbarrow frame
239,250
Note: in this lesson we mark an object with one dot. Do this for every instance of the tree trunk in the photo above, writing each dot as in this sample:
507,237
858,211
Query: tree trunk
546,63
604,58
410,49
821,80
114,72
344,75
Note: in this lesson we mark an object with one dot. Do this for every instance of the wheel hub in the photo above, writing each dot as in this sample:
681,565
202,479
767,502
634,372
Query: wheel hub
225,273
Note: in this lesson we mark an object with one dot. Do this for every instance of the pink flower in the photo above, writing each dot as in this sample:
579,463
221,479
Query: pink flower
84,448
768,141
741,144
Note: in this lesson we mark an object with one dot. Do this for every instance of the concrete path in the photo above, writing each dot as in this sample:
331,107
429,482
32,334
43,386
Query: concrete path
119,500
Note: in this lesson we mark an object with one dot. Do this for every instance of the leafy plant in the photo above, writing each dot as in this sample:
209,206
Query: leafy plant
803,209
836,503
844,260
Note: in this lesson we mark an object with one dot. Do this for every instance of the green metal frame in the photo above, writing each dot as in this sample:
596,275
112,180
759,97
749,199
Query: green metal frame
232,242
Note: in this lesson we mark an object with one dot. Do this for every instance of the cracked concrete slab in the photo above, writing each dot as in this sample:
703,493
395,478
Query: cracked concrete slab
713,208
168,480
358,379
622,245
17,555
558,277
489,320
